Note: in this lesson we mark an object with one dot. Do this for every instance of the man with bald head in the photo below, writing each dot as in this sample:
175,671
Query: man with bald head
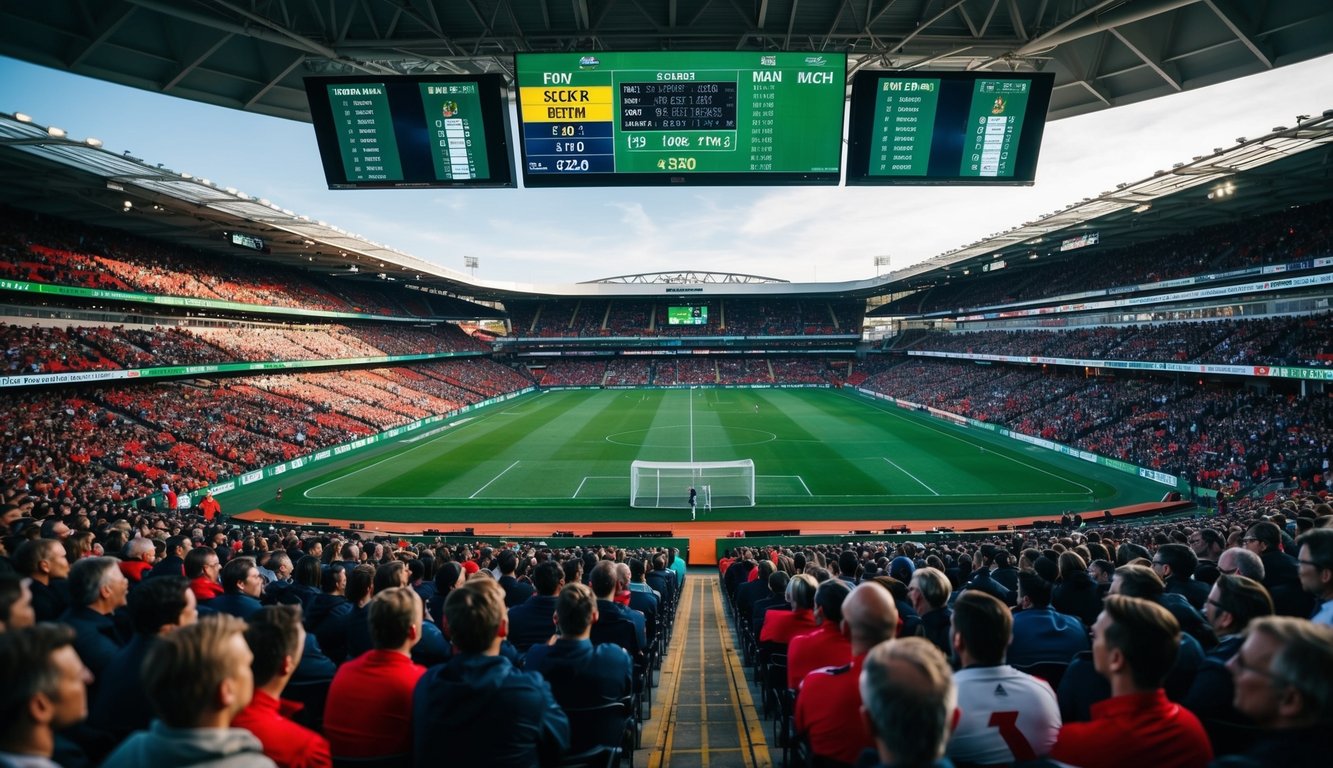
910,703
1241,562
829,705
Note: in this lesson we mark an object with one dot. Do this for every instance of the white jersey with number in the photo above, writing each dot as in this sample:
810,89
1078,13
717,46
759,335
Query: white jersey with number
1007,716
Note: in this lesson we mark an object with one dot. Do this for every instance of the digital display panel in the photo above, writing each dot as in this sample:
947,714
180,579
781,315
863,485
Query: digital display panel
680,118
412,131
946,127
687,315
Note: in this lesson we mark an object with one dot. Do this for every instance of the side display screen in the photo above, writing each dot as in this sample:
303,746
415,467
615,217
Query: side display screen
412,131
946,127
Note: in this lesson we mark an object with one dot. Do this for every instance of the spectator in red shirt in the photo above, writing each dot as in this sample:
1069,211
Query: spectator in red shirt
1134,646
781,626
369,708
138,560
826,646
828,706
276,638
202,568
209,506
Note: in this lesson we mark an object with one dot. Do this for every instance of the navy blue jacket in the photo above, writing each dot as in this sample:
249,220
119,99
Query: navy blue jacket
532,621
582,674
482,710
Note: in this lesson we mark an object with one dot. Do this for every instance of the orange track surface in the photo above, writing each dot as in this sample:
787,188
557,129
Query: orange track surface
702,533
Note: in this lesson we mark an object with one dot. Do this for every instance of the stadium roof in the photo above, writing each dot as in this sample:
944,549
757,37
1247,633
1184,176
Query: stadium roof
253,54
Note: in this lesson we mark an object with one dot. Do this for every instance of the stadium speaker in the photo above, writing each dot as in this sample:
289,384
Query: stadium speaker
432,532
862,533
763,534
318,525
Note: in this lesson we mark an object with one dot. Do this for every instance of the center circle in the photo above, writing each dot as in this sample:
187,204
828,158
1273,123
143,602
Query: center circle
678,436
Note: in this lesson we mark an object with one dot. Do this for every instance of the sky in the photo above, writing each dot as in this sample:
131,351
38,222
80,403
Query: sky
802,234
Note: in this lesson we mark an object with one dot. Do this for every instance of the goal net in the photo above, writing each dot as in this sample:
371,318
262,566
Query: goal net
666,484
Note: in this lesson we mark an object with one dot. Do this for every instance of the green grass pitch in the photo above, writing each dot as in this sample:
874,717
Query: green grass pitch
818,454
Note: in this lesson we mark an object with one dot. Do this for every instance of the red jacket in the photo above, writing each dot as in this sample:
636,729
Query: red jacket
369,709
204,588
286,743
1135,729
826,646
828,712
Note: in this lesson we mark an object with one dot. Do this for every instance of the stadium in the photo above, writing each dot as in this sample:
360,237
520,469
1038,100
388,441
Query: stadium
1138,373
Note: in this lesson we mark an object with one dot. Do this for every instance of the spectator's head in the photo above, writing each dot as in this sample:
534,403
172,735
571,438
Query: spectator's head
1315,555
847,563
507,561
16,610
1175,561
869,616
475,613
777,583
576,611
281,565
1071,563
929,590
622,576
313,547
395,618
199,676
829,598
45,687
449,577
42,560
801,592
276,639
908,700
333,579
1207,543
392,574
603,579
202,562
1137,581
97,583
361,584
982,628
636,570
163,604
1101,571
1283,673
1263,537
308,571
1241,562
1130,551
1134,643
178,545
1234,602
1033,590
240,576
548,577
141,550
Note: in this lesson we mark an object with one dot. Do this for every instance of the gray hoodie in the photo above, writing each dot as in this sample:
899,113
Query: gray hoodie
163,747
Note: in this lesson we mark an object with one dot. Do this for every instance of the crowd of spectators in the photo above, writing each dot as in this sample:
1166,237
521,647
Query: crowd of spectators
48,349
586,318
1287,236
46,250
671,371
1305,341
177,641
1212,434
1087,644
104,444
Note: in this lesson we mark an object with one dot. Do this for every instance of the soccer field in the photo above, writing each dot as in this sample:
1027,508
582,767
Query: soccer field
818,454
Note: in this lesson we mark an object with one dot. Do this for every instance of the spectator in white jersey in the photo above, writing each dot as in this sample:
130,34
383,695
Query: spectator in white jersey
1008,716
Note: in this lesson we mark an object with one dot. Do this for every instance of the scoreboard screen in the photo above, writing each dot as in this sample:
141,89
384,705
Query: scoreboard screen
687,315
595,119
946,127
412,131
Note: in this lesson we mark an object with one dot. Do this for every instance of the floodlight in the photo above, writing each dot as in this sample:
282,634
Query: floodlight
56,133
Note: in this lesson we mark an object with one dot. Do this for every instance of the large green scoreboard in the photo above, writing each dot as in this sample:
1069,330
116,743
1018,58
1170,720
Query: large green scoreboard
680,118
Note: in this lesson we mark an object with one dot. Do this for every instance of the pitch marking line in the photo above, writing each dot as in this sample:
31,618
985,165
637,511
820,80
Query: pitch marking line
909,474
806,487
576,490
982,446
394,454
493,479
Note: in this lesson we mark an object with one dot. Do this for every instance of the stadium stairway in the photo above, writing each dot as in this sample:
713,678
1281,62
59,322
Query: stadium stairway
704,713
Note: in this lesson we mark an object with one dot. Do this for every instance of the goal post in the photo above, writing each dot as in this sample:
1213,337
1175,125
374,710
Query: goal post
666,484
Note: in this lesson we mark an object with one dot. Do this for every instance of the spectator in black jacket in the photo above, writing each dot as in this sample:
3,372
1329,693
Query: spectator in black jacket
1075,592
1281,571
1176,563
929,593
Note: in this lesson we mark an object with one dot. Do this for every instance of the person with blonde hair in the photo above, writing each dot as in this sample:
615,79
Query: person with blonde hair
198,679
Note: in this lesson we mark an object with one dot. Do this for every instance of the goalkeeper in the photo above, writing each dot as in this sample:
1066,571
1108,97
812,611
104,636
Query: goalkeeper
694,497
